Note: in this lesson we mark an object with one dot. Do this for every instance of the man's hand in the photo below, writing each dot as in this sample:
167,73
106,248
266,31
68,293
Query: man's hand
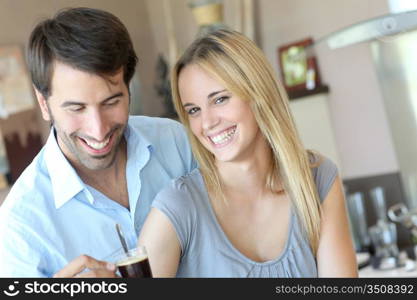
95,268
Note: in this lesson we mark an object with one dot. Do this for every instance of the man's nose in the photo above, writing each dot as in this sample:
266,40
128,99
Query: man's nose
98,126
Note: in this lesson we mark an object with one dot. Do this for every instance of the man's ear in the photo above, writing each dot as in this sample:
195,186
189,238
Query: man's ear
43,105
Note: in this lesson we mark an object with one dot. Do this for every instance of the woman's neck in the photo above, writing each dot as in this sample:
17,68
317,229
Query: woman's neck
248,176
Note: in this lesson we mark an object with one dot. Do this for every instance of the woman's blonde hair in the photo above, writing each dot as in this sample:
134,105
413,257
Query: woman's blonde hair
239,65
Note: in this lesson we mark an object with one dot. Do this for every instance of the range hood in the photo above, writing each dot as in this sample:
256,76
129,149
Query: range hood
393,43
377,28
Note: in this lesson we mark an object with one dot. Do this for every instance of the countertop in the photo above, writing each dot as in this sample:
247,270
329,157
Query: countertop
409,270
396,273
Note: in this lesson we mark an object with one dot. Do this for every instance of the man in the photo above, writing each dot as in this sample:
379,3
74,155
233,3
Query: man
99,166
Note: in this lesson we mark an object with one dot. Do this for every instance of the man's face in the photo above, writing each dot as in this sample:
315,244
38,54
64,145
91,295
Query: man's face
89,113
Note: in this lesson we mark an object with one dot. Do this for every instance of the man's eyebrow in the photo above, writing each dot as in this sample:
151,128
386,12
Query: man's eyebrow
208,97
73,102
113,96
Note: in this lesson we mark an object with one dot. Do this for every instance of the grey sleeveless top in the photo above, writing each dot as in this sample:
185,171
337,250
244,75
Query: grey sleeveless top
205,249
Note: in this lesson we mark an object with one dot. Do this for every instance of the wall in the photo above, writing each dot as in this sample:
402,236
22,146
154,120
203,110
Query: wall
313,120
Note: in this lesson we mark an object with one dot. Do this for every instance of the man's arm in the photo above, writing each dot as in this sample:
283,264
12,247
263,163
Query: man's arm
23,254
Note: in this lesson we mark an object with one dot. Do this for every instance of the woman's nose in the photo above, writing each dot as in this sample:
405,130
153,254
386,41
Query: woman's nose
209,119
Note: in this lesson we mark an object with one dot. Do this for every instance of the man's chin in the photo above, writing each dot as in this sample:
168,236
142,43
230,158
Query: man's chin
98,163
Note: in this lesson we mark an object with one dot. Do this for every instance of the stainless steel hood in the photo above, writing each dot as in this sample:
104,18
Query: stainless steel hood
393,42
377,28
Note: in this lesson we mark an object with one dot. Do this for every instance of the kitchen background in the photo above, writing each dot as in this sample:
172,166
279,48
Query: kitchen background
350,120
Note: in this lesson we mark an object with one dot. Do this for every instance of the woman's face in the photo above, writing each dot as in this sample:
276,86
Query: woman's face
221,121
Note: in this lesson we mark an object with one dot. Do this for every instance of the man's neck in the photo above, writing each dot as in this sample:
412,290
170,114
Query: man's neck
112,180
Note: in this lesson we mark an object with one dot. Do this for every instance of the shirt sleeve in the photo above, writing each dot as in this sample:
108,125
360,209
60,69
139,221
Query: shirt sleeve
21,253
175,202
324,175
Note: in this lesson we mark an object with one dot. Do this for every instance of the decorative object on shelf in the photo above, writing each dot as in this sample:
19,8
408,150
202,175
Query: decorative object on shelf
163,87
208,15
135,105
299,68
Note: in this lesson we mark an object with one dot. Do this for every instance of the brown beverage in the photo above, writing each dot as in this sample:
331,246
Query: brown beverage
135,267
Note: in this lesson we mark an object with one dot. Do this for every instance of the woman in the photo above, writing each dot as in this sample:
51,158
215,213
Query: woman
259,205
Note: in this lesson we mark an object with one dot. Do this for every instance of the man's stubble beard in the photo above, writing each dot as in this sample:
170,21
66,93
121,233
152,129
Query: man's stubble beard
79,158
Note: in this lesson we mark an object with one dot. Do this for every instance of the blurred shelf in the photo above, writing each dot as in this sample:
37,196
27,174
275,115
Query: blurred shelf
293,95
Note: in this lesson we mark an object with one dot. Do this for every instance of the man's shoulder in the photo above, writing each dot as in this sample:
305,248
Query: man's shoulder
157,130
184,198
33,184
153,123
191,180
189,188
169,143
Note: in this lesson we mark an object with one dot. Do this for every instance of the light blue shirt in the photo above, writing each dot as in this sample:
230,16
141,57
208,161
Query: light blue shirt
50,216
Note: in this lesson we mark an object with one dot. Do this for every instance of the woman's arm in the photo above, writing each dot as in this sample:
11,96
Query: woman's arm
336,254
162,244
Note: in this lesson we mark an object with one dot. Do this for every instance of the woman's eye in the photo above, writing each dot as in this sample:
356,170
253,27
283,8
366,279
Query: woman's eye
193,110
221,99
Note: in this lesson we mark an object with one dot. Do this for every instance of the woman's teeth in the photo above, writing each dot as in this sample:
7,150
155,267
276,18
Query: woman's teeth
223,137
97,146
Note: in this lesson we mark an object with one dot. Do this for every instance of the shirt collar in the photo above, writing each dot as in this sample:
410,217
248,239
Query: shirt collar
65,181
134,137
139,151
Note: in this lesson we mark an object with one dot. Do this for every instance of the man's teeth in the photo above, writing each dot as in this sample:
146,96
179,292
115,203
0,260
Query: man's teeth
223,137
97,146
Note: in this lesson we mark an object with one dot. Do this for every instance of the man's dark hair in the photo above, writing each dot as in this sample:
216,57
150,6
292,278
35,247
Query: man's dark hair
87,39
